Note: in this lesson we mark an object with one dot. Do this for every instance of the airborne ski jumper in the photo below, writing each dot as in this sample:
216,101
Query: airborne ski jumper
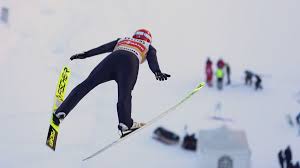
121,65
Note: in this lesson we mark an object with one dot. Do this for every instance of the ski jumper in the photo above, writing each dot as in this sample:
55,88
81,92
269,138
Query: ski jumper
122,66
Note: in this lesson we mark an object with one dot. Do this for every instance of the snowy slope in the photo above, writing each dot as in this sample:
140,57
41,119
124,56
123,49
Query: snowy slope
43,34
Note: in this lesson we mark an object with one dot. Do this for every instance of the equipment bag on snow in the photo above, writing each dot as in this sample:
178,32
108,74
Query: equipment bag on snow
165,136
189,142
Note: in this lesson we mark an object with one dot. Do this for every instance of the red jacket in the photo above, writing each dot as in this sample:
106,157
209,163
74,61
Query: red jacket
209,70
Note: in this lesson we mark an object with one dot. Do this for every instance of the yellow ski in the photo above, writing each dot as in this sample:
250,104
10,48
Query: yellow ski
58,99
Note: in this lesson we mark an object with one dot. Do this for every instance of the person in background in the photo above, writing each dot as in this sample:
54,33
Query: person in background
298,119
4,14
228,73
209,72
220,64
281,158
288,157
298,122
248,77
258,82
220,74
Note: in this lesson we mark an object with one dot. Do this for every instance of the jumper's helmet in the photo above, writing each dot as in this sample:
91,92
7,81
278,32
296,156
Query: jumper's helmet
143,34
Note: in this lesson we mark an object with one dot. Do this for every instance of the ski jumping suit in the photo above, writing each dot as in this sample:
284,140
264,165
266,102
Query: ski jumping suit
121,65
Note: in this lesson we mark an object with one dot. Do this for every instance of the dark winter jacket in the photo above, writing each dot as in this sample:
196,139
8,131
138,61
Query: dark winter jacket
258,79
288,154
281,158
228,69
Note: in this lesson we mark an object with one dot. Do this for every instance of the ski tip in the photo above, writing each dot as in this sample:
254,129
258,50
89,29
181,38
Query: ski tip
202,84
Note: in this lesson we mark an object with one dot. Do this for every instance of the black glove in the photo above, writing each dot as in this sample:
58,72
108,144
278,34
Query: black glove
78,56
161,76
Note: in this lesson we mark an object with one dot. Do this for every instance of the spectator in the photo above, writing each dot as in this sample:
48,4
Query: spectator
4,14
248,77
298,119
228,72
220,74
298,122
209,72
220,64
257,82
288,157
281,159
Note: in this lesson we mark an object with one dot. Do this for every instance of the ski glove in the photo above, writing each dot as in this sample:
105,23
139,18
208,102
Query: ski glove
78,56
161,76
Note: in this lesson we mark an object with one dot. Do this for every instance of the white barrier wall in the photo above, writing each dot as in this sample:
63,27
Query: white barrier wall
223,148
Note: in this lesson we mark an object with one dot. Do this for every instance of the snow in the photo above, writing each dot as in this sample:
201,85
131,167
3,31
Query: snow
41,35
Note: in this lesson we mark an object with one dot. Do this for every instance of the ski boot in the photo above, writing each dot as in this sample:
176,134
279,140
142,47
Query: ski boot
58,117
189,142
125,130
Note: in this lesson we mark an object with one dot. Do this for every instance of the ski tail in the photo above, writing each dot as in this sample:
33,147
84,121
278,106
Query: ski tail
58,99
52,135
200,86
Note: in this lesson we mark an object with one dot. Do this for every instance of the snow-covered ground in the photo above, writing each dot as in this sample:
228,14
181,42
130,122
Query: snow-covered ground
41,35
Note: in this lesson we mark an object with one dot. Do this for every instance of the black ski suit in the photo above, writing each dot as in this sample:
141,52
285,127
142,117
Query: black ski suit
121,66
